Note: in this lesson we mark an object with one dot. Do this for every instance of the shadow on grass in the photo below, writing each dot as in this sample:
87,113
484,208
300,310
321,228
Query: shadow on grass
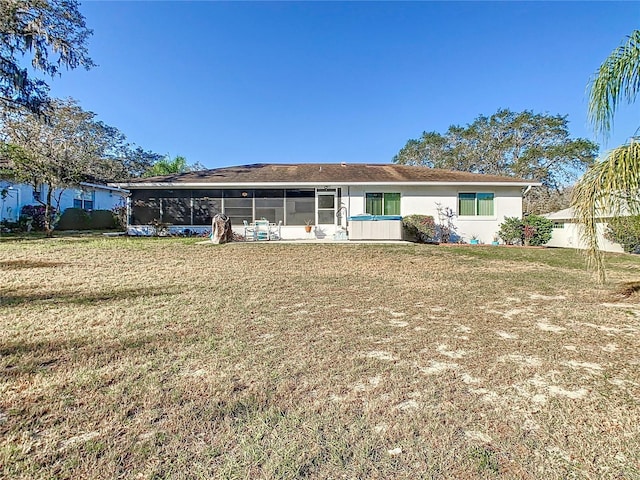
24,264
27,357
80,298
628,289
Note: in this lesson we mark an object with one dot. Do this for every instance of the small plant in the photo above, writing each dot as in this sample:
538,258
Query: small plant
422,227
160,229
486,459
446,228
307,225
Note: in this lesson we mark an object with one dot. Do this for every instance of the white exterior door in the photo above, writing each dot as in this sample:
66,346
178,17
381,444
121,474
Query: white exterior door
326,211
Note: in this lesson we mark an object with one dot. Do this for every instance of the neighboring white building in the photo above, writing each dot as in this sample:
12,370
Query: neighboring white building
566,232
88,196
325,195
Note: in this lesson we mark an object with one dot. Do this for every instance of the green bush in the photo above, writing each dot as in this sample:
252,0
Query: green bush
102,220
512,231
74,219
626,232
543,227
533,230
420,227
78,219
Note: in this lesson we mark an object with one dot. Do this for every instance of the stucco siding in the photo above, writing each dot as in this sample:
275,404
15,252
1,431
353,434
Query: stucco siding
569,237
425,201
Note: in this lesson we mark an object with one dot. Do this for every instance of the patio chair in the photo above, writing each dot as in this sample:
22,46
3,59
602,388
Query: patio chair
275,230
262,229
249,231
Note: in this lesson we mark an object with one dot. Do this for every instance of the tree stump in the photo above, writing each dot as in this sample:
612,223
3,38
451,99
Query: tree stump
221,229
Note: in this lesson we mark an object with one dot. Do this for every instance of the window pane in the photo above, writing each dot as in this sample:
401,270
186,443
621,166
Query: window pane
300,207
270,208
77,203
326,201
485,204
88,205
392,204
326,217
466,204
373,204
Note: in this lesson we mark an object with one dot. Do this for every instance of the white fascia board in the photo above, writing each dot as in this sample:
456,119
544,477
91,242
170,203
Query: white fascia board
184,185
104,187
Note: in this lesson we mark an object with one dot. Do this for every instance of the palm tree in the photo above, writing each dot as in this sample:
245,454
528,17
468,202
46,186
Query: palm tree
611,186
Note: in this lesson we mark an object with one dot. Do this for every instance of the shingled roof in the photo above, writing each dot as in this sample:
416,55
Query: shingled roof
321,173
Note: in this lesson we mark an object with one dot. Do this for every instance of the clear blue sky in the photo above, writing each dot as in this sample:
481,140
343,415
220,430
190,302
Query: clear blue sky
234,83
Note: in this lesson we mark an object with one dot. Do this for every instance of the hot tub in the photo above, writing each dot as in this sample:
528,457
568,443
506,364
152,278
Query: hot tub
375,227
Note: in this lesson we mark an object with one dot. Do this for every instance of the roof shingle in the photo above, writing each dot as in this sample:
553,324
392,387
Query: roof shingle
325,173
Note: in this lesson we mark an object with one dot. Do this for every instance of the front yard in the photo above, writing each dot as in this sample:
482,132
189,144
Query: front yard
165,358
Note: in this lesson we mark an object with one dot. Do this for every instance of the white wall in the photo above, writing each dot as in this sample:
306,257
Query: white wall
569,237
425,200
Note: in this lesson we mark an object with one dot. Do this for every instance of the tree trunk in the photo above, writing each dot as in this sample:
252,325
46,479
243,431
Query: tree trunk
221,229
48,227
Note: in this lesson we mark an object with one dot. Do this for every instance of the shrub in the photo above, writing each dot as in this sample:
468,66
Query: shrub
79,219
120,214
102,220
422,227
533,230
446,229
33,215
542,229
511,231
74,219
626,232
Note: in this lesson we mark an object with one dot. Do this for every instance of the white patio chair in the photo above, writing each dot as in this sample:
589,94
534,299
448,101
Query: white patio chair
249,231
275,230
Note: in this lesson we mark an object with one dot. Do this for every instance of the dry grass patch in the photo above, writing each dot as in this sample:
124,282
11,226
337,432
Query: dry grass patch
148,358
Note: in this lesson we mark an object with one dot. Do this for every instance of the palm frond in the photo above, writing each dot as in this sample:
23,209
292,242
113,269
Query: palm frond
608,189
617,80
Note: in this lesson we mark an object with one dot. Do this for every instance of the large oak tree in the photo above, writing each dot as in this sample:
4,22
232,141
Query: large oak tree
52,33
525,145
61,149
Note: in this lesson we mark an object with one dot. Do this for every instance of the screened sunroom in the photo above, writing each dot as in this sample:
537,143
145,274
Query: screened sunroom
197,207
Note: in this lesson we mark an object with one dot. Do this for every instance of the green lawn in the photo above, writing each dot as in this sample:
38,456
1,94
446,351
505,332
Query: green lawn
165,358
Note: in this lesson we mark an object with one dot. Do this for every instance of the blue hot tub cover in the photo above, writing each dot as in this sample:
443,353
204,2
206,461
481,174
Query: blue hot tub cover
367,217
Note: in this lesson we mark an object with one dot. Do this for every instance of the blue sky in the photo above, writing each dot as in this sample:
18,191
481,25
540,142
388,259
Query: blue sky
269,82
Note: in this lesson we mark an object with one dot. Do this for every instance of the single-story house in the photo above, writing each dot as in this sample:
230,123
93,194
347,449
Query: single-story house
328,196
88,196
567,234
